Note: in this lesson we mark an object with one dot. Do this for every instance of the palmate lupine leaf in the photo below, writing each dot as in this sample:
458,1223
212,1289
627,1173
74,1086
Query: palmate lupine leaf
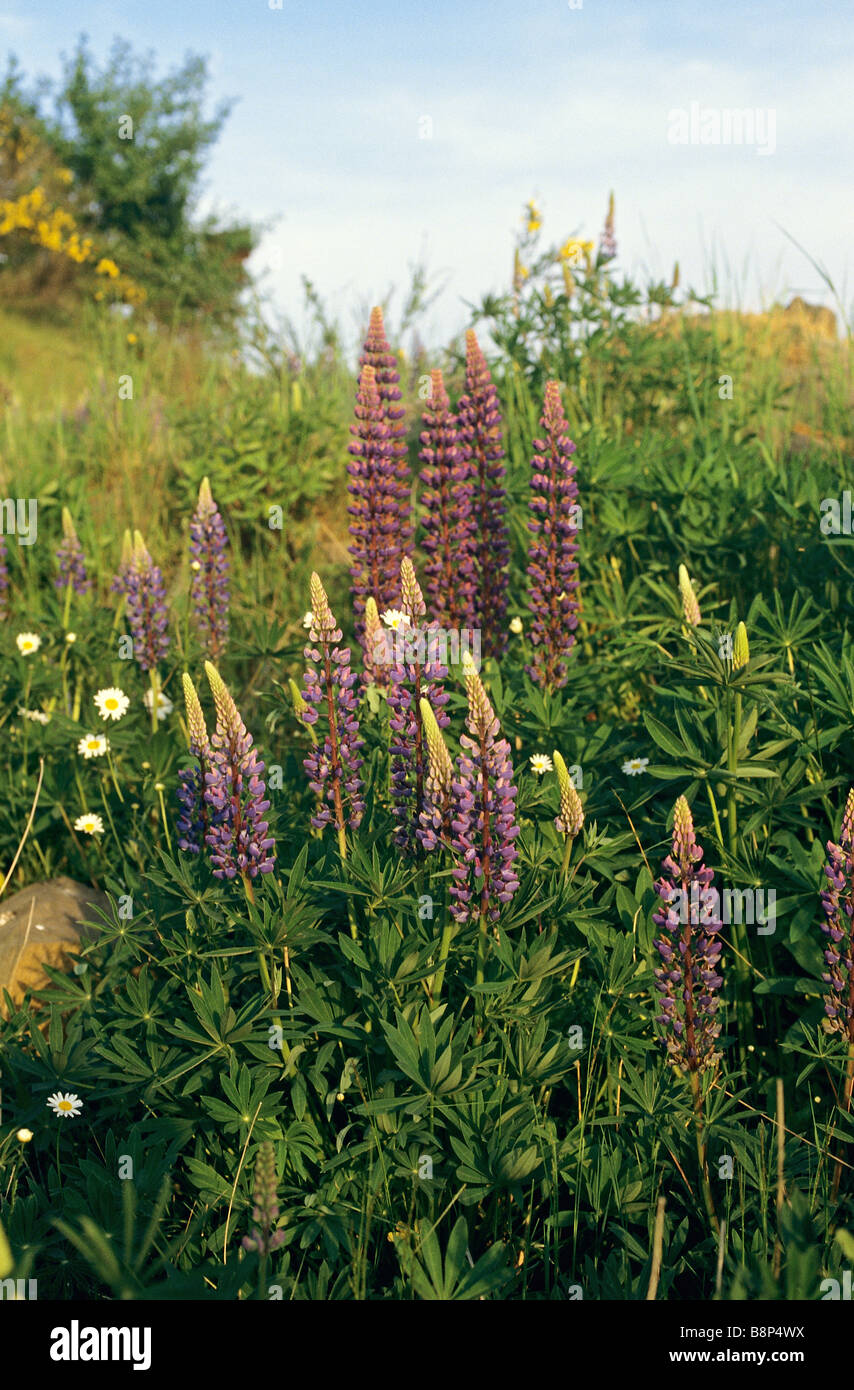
458,1276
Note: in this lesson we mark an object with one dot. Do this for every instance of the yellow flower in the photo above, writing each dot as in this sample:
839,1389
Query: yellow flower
107,267
574,251
535,220
131,337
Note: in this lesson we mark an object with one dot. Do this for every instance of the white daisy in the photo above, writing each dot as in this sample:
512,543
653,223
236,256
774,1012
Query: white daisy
516,626
395,619
164,704
89,824
28,642
540,763
36,716
68,1105
93,746
634,766
112,703
24,1136
70,637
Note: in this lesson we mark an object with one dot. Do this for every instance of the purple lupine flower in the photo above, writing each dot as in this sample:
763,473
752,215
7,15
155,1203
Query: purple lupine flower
552,566
118,583
480,430
71,563
608,241
333,764
448,521
415,672
838,903
377,354
484,812
375,545
193,817
238,836
688,978
209,565
4,579
435,817
146,607
265,1213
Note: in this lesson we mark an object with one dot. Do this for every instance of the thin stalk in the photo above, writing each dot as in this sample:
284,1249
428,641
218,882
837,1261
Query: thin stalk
699,1135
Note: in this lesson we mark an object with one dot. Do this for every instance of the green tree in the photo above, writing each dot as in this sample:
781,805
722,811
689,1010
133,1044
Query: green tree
137,146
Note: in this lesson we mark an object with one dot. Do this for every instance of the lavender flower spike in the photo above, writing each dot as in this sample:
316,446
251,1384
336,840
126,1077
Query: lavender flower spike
265,1237
484,814
838,903
333,764
238,838
480,431
192,825
210,569
448,521
552,566
687,979
146,607
377,520
71,564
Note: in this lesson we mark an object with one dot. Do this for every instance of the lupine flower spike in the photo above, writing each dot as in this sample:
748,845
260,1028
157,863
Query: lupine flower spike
70,561
265,1237
608,241
448,521
436,811
378,355
741,648
688,979
376,507
552,566
571,817
480,430
238,838
838,903
333,764
193,816
376,652
690,606
146,607
415,672
484,819
209,589
119,580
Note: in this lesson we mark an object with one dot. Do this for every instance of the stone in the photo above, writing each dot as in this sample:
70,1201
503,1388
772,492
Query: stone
42,925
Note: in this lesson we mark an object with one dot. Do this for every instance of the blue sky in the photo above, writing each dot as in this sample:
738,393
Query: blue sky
527,100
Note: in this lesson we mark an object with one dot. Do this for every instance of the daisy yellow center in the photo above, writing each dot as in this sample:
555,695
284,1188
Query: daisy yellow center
65,1105
111,703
